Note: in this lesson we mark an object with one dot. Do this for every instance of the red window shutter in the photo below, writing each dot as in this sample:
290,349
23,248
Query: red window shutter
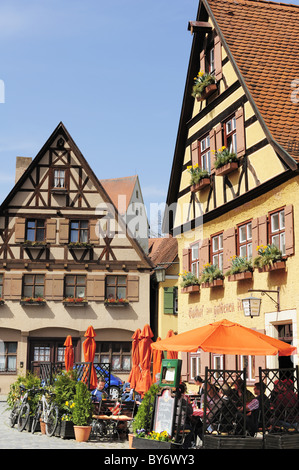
289,229
195,152
229,247
218,58
203,61
240,132
204,253
219,139
212,147
255,237
186,259
263,230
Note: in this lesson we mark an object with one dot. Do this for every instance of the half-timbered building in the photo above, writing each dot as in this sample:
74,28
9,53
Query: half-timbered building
251,49
66,262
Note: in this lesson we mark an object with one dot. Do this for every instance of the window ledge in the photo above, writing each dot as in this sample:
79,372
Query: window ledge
33,302
61,191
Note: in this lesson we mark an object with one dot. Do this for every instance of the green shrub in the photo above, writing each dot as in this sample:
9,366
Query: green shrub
143,418
82,411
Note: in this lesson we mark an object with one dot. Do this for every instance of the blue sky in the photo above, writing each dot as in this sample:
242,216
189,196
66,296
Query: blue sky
112,72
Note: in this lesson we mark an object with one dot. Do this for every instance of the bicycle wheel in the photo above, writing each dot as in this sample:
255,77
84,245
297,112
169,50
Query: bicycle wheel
52,421
23,416
13,417
36,418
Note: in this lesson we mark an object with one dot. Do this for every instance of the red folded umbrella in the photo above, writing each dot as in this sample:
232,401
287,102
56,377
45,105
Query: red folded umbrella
171,354
157,361
89,349
69,353
135,371
145,354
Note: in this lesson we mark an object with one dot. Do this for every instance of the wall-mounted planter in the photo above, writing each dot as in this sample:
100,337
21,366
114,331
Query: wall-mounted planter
75,304
80,246
215,283
273,267
240,276
203,183
226,169
190,289
141,443
33,302
116,304
208,91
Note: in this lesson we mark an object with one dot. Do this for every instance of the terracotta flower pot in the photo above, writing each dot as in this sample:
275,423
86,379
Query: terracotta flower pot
82,433
130,438
203,183
42,427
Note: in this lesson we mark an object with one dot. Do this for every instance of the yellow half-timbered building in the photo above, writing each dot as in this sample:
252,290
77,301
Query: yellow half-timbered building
242,133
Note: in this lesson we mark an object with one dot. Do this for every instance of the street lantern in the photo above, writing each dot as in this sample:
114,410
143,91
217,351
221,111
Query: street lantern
160,274
251,306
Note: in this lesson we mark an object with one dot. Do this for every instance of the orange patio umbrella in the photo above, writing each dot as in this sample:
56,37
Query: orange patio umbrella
69,353
157,361
89,349
226,337
171,354
145,354
135,371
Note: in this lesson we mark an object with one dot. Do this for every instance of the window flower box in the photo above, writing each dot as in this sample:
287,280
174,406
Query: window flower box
240,276
32,245
116,302
203,183
75,302
204,86
199,178
143,443
33,301
79,245
190,289
272,267
226,169
215,283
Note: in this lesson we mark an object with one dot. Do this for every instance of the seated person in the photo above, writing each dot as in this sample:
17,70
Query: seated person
98,393
222,417
128,392
183,413
253,409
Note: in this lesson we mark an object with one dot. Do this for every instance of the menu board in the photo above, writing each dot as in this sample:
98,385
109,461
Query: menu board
164,412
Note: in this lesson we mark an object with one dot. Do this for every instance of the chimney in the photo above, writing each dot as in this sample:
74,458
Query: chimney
22,164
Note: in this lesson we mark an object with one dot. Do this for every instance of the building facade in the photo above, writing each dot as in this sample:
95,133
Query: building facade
64,253
252,201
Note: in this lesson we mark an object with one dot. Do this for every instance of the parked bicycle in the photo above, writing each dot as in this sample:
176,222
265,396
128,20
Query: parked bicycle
47,411
21,409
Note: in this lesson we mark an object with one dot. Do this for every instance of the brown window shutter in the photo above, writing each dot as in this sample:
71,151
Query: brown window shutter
289,230
186,259
195,152
54,287
51,231
212,147
63,231
95,288
20,230
240,130
13,286
229,247
93,238
263,230
202,61
133,288
219,139
218,58
185,367
204,253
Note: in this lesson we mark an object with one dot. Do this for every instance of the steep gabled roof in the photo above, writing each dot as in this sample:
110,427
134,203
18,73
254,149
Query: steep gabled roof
120,186
263,40
162,250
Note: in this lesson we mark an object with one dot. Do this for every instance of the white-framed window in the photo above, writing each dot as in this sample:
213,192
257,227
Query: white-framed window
277,230
245,240
195,366
218,363
230,135
249,363
205,154
217,250
194,259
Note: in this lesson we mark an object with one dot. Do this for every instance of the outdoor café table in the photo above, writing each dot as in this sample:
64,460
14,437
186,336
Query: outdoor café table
105,419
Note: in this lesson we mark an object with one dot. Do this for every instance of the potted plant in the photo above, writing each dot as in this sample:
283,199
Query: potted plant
211,276
34,244
199,178
269,258
33,301
65,390
225,161
116,302
75,301
204,86
189,282
82,412
143,419
241,268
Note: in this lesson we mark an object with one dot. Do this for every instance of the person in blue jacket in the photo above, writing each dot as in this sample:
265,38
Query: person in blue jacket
98,393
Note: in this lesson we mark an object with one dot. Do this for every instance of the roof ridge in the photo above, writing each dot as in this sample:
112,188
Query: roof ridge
267,2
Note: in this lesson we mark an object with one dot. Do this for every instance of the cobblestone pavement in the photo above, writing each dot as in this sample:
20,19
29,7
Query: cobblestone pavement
11,438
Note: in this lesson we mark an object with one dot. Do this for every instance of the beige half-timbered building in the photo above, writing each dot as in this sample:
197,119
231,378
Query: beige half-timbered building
64,251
